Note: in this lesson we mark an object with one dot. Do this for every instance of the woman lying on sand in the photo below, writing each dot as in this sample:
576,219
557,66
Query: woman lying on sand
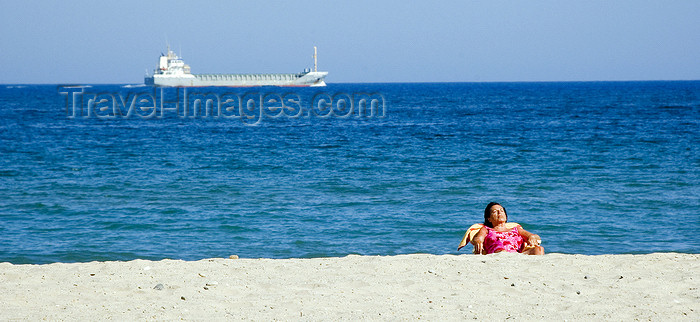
495,237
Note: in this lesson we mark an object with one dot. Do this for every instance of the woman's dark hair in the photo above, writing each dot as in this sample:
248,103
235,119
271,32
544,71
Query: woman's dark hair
487,213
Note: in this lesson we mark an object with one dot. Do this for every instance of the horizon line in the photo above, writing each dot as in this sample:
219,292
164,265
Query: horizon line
403,82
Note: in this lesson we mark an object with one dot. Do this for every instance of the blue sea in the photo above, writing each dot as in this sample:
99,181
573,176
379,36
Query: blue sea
592,167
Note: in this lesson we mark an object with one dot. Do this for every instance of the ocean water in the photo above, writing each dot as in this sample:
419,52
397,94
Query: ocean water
592,167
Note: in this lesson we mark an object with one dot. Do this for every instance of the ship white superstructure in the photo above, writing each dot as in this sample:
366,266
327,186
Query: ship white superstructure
172,71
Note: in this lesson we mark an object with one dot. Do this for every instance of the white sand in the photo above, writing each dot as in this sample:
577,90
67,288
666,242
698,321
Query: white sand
426,287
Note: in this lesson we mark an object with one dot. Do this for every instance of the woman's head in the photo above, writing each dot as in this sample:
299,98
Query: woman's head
493,209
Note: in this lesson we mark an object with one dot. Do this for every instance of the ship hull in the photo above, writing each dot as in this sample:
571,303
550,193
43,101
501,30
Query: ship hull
309,79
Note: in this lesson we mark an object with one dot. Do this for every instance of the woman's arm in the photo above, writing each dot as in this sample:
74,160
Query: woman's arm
530,238
478,240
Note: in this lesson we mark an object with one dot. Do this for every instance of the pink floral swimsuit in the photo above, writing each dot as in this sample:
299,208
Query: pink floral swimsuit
497,241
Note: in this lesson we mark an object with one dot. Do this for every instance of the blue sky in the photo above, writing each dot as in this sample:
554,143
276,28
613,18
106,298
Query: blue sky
358,41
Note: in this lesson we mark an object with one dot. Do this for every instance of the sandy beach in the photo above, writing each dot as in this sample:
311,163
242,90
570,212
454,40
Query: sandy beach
427,287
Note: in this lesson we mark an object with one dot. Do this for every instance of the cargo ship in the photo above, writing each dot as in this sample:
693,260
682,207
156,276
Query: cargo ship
173,72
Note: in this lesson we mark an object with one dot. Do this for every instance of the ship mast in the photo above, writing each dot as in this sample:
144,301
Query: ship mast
315,61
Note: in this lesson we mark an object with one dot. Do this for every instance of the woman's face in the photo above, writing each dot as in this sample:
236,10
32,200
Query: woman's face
498,215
